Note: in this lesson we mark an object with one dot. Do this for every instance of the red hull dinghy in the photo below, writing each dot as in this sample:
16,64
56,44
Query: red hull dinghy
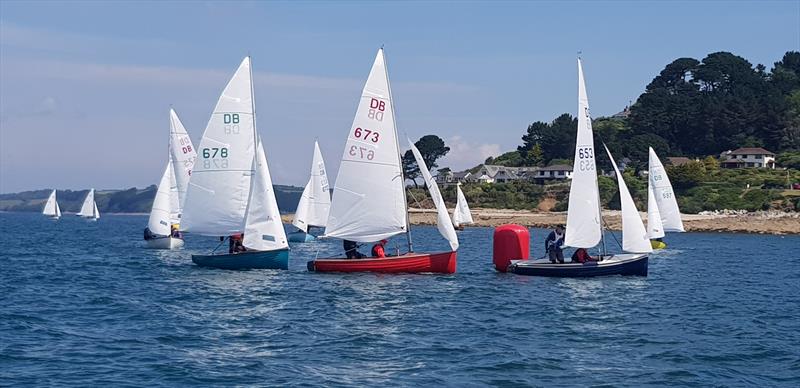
369,199
444,262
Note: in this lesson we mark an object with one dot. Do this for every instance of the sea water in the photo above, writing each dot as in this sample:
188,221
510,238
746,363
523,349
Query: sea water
83,304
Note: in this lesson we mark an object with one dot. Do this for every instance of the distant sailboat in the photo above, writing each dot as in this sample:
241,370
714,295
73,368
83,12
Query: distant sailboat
369,199
89,207
584,217
461,214
663,214
51,208
162,227
230,191
315,203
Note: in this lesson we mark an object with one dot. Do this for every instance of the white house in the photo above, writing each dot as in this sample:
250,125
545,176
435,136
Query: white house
558,171
747,158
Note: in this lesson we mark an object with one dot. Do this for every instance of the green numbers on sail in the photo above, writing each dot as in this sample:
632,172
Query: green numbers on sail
215,158
231,122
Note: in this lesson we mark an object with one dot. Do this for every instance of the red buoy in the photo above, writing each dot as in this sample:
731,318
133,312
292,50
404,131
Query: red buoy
511,242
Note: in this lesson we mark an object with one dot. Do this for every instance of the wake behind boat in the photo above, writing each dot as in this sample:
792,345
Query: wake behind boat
369,199
230,191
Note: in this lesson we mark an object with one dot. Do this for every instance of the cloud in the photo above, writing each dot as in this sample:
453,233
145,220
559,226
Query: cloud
464,154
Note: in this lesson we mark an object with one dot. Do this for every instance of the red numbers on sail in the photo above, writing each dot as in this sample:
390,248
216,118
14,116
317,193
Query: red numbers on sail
376,108
366,134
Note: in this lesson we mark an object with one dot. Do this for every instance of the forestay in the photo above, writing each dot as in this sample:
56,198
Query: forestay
655,228
583,214
634,236
665,197
216,198
51,208
442,217
183,156
369,198
160,214
461,214
315,203
263,228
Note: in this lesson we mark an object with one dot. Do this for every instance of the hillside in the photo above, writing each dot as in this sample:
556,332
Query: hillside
131,200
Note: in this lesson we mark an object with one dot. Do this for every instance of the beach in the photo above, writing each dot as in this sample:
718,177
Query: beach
768,222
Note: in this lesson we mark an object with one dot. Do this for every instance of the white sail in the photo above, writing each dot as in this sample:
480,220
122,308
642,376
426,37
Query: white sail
461,214
655,228
315,203
51,208
369,196
183,156
160,213
634,235
442,217
96,212
174,195
583,214
216,198
665,197
263,229
88,207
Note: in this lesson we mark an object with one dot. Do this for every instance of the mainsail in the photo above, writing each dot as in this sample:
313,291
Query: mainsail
664,196
442,218
583,214
461,214
369,195
315,203
634,236
51,208
183,156
160,214
217,195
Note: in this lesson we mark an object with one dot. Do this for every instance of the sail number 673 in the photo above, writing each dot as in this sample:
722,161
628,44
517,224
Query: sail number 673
366,134
362,152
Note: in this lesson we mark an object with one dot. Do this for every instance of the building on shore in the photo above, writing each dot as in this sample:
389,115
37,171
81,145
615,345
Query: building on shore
747,158
489,173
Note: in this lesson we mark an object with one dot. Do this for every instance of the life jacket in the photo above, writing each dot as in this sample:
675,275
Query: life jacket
581,256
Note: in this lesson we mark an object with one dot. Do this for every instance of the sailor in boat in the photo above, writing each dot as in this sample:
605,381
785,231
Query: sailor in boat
378,249
175,231
351,249
581,255
554,245
235,244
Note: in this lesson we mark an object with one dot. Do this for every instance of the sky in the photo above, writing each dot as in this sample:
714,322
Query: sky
86,87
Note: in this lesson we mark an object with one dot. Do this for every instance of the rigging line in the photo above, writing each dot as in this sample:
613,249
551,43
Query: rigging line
612,233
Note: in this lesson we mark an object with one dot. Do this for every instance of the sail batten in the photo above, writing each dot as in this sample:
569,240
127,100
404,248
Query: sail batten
368,201
583,216
315,202
442,217
664,195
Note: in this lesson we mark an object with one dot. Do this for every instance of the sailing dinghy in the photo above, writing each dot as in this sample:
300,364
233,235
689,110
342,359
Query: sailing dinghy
315,203
230,191
663,214
89,208
369,199
461,214
164,222
51,208
584,217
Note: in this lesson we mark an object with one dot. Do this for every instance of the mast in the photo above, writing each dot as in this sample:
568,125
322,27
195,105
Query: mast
399,159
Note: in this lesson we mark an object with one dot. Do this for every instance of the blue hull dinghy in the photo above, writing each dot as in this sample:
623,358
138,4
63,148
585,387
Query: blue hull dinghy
278,259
